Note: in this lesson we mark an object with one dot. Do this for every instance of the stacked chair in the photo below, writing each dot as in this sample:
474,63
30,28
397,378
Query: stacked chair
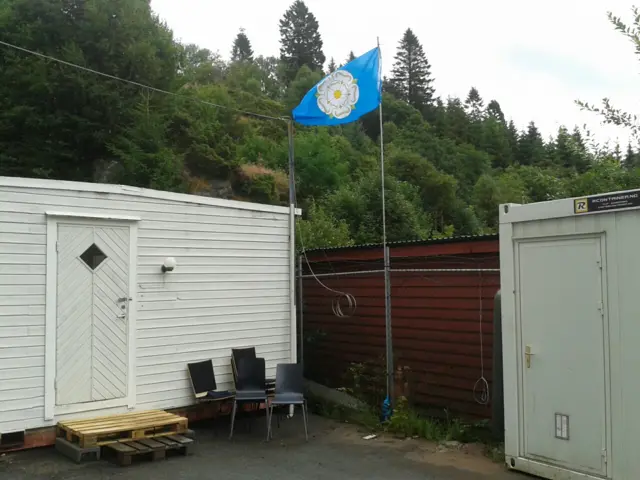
238,354
251,386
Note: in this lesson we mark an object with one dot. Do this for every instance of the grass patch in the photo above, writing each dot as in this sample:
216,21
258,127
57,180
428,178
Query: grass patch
408,423
405,422
366,382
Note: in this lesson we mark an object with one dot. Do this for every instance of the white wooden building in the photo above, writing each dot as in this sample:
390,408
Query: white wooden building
91,325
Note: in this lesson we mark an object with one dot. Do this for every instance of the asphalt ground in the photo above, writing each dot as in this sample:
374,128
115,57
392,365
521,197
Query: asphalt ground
334,451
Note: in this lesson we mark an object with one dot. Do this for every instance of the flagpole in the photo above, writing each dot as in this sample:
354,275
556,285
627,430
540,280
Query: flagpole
292,205
293,308
387,280
292,176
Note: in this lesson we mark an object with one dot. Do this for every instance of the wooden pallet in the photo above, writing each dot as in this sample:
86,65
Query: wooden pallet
122,428
150,449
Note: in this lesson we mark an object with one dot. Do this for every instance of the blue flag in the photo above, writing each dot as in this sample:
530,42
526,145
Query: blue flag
344,95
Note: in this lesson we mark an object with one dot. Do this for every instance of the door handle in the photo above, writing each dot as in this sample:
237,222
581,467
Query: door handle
123,316
528,355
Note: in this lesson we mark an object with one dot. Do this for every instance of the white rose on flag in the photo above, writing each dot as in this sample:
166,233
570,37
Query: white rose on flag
338,94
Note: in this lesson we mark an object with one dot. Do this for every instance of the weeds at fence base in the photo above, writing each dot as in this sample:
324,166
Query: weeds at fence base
495,451
366,382
406,422
363,417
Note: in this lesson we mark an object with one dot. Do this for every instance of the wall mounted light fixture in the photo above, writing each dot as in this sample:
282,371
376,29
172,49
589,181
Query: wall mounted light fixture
169,264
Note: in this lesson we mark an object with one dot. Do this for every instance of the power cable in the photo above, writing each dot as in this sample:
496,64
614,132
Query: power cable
338,308
141,85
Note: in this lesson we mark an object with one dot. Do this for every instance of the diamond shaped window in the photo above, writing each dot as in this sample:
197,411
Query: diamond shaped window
93,256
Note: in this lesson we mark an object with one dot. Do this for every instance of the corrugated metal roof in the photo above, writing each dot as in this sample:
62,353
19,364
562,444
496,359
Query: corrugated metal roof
433,241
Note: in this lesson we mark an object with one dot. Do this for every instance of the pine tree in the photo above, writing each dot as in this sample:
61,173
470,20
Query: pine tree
496,142
411,74
577,136
531,149
513,136
550,152
300,41
563,151
456,120
583,157
474,105
474,108
350,58
439,120
241,50
617,153
495,111
631,158
332,66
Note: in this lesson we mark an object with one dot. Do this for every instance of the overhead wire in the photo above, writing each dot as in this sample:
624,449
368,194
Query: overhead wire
141,85
338,307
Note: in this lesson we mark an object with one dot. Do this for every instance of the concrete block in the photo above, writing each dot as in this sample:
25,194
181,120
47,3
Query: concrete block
75,452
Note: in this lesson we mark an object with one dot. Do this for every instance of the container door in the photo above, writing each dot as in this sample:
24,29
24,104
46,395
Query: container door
92,294
563,362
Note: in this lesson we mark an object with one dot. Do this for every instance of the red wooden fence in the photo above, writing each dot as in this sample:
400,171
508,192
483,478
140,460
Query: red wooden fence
442,321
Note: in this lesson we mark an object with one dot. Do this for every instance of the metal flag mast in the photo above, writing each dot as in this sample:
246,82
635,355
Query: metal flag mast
310,114
387,282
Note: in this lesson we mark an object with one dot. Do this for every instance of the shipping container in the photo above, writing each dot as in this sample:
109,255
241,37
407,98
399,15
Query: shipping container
571,330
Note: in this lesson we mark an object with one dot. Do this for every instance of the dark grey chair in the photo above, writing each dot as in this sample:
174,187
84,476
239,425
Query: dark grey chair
289,391
203,382
238,354
250,387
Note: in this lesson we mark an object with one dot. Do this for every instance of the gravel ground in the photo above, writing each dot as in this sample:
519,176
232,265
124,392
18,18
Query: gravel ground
333,451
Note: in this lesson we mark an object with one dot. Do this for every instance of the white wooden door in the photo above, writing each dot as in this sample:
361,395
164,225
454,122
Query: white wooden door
92,302
563,320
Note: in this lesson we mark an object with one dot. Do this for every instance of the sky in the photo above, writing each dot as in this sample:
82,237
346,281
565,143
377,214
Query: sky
535,58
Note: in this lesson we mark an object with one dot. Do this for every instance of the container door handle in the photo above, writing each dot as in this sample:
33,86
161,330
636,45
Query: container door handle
528,355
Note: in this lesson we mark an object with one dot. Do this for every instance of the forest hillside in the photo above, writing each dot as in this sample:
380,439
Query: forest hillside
449,161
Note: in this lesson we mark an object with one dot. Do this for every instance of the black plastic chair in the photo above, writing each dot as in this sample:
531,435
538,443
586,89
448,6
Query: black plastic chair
238,354
203,382
250,387
289,391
